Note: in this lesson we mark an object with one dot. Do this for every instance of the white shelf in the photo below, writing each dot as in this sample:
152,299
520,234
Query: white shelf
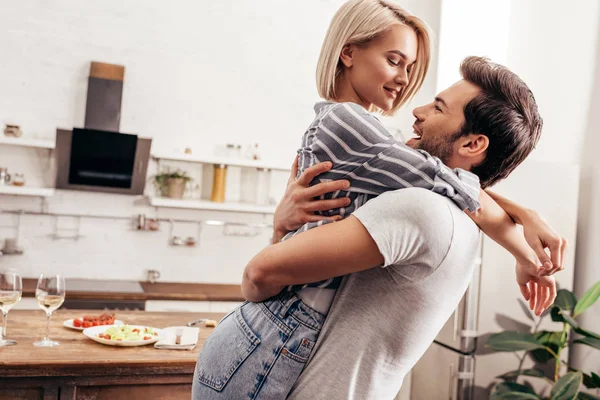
26,191
26,142
209,205
233,162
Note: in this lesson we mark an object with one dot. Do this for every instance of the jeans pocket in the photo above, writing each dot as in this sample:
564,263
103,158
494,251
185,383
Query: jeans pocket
225,350
301,352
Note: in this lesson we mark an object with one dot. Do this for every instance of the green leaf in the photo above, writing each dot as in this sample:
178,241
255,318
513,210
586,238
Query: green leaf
551,340
511,390
587,299
596,379
565,299
514,396
556,314
586,396
536,372
583,332
567,387
513,341
591,381
569,320
590,341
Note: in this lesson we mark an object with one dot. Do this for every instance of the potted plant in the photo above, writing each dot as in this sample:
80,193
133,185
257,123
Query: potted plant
545,347
172,183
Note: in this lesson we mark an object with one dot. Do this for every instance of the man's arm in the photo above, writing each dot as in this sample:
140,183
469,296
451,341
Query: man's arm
320,253
298,205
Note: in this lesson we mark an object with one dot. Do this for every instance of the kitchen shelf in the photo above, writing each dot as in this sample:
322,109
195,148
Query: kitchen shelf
26,191
26,142
232,162
209,205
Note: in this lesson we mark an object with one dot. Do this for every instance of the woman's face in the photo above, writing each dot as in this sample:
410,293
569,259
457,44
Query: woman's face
376,73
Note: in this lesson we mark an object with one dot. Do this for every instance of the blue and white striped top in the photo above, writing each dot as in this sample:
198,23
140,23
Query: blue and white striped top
363,152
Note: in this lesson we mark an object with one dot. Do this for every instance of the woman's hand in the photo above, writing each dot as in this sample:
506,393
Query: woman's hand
298,204
539,291
539,235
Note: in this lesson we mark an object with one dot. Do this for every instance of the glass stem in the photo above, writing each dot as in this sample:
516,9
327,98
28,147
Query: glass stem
4,321
46,338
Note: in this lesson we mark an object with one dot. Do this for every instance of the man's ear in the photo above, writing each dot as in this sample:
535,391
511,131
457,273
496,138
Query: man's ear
347,55
473,146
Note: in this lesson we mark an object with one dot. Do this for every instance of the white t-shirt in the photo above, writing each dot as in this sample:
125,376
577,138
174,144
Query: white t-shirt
383,319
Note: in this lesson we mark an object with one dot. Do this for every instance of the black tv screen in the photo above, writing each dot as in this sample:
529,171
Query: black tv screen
102,158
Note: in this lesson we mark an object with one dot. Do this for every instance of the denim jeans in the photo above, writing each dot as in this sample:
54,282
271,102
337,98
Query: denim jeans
258,350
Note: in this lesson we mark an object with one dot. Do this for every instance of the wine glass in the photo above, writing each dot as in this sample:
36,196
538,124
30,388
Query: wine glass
50,294
11,288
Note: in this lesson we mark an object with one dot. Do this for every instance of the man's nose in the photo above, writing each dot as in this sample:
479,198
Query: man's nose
419,113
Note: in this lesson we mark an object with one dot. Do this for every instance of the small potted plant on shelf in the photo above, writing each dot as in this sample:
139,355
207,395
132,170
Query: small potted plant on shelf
172,183
545,348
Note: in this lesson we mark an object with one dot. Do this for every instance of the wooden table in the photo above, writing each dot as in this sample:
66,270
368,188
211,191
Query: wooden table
82,369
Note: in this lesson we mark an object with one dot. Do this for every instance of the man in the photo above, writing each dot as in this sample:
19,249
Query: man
383,319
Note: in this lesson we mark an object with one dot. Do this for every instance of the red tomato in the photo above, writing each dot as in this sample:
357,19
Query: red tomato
147,338
95,323
87,324
77,322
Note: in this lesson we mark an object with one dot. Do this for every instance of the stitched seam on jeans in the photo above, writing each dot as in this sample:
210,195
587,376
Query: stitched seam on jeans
269,314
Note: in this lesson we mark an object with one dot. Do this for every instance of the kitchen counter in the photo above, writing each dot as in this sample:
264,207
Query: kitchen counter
82,368
148,291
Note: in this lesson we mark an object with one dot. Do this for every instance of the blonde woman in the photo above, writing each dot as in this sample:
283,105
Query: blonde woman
374,59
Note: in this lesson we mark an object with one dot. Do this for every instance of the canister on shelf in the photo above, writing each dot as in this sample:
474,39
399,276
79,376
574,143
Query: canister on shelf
218,189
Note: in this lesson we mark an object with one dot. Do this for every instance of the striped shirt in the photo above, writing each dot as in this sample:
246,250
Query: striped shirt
364,153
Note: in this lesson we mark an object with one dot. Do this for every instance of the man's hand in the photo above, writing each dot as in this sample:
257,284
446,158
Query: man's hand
540,291
539,235
298,204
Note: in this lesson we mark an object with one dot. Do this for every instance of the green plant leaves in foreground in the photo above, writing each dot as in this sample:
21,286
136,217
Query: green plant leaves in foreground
585,396
587,299
590,341
513,341
565,299
512,391
551,340
536,372
567,387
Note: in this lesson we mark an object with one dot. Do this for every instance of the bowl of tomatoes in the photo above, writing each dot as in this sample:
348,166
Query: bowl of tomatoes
88,321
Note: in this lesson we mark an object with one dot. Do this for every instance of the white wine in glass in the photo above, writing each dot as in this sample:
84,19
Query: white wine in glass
50,294
11,288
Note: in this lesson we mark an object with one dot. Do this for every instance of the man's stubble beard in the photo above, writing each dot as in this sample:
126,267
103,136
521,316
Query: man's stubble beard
439,147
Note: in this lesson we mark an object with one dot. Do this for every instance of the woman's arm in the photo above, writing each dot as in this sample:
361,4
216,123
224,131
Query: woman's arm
538,233
499,226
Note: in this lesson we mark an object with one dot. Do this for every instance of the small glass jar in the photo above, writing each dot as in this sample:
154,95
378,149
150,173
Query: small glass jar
18,180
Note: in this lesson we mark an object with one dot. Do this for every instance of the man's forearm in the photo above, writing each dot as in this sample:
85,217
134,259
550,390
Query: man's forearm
255,289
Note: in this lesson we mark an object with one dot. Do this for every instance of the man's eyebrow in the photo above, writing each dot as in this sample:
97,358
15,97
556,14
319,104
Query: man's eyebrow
440,100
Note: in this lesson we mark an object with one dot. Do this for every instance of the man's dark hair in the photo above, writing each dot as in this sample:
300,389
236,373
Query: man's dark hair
506,112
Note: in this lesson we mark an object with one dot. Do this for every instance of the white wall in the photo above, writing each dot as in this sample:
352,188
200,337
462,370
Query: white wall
588,237
198,74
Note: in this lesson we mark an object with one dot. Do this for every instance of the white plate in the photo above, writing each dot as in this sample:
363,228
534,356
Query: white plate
93,332
69,324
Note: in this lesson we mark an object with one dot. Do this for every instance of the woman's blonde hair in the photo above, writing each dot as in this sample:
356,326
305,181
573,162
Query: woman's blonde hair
359,21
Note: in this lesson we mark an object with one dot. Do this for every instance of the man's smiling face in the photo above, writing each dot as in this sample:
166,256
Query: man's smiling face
438,122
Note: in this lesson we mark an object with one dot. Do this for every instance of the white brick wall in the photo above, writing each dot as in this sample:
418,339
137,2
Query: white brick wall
198,74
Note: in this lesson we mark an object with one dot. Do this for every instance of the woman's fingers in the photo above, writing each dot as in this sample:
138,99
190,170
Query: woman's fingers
533,291
525,291
326,187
